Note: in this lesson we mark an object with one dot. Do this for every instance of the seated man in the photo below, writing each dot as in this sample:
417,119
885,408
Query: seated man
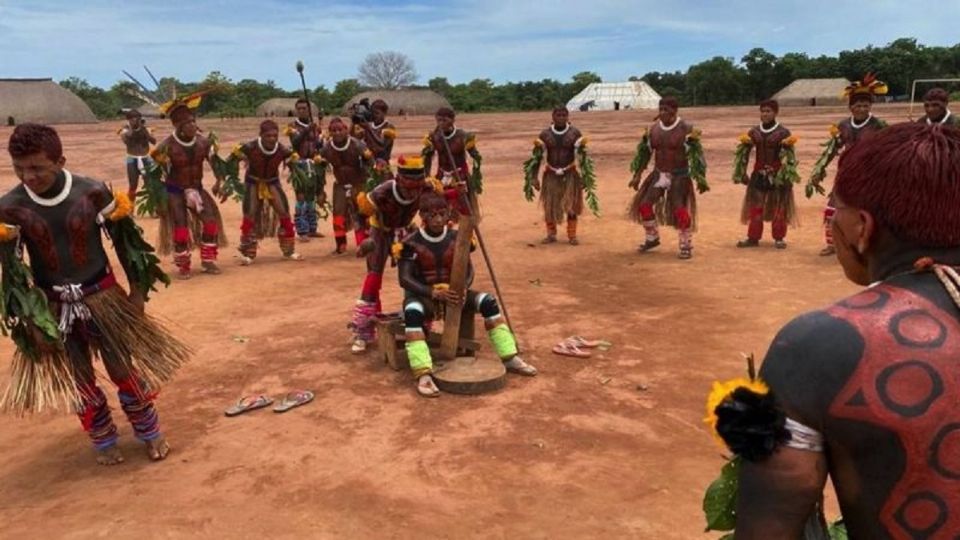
425,265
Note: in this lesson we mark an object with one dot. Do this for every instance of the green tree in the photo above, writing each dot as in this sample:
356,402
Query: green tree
717,81
440,85
323,98
342,92
103,104
582,80
666,84
760,66
219,94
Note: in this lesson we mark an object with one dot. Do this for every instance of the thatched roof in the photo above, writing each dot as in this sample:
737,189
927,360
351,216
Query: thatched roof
285,107
410,101
42,101
813,92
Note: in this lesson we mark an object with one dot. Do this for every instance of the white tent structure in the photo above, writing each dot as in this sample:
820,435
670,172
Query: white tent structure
613,96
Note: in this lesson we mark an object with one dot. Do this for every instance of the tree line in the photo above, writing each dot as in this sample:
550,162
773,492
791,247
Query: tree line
718,81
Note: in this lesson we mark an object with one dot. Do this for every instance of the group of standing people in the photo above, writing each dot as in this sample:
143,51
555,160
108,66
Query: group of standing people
67,307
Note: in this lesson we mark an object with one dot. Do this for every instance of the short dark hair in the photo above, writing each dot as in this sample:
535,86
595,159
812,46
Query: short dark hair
301,100
380,105
670,102
28,139
772,104
446,112
431,200
267,125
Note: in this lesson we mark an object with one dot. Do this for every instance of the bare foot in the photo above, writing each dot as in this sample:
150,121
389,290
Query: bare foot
158,448
109,456
210,267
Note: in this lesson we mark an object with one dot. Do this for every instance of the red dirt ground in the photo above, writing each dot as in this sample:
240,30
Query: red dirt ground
612,446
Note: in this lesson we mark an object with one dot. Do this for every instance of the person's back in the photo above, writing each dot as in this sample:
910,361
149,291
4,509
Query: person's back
871,384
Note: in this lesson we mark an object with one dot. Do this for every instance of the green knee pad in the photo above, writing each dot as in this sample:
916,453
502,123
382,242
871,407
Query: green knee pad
503,342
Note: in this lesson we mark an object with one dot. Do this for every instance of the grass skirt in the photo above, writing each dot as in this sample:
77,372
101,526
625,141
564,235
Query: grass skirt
118,334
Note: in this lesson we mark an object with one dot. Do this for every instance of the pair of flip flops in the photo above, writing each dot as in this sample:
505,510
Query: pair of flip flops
251,403
574,345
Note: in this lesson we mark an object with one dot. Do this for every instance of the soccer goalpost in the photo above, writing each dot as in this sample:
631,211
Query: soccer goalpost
913,90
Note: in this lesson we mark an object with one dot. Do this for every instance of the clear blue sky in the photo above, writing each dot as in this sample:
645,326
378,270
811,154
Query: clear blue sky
503,40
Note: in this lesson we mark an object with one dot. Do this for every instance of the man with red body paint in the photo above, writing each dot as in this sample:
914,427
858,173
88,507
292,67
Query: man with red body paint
350,160
875,377
182,155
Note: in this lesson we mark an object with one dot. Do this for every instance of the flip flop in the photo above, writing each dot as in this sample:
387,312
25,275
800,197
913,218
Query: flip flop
248,403
565,348
429,389
580,341
294,399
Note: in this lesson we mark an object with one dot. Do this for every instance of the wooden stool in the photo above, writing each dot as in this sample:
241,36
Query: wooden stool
391,341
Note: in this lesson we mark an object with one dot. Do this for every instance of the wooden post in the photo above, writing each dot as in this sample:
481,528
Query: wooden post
458,275
458,283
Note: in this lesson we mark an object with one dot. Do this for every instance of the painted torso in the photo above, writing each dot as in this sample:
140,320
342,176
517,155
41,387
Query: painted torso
379,139
457,142
261,165
560,149
877,374
433,260
768,146
850,135
137,141
392,213
305,140
186,162
63,241
348,165
669,150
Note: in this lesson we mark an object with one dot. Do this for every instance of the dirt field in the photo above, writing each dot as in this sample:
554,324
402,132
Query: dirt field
609,447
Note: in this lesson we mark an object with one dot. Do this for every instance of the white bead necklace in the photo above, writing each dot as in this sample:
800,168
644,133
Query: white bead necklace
192,142
400,199
673,125
59,198
264,150
339,149
433,239
944,120
766,131
855,125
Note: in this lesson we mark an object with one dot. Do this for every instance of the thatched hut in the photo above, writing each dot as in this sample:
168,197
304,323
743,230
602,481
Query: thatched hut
42,101
812,92
283,107
411,101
